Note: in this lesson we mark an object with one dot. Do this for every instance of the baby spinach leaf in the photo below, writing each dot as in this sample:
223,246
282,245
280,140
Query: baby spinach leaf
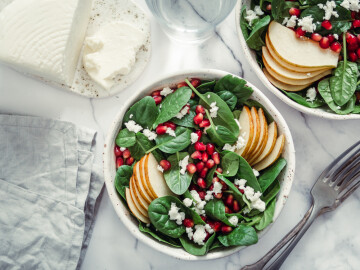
236,114
141,146
172,105
215,209
216,244
241,236
246,172
196,249
267,216
206,87
234,85
210,176
254,103
277,7
177,182
356,109
158,236
170,144
122,179
303,100
243,23
229,98
230,163
235,191
269,175
343,83
256,40
125,138
271,192
186,121
221,135
144,112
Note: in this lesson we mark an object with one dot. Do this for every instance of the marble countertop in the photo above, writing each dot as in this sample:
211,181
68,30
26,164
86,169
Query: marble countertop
332,242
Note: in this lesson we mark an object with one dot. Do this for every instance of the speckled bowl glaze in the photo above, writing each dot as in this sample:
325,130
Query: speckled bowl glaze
251,57
286,177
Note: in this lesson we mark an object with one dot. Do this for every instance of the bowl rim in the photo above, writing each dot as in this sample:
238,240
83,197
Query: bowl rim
108,157
247,51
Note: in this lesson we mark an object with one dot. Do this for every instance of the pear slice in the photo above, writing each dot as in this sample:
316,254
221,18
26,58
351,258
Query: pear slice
287,65
133,208
140,184
270,143
246,131
154,178
272,65
137,204
284,86
257,130
274,155
302,52
143,204
263,136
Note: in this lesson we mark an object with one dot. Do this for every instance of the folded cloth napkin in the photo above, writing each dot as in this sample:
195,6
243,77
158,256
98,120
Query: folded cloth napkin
49,193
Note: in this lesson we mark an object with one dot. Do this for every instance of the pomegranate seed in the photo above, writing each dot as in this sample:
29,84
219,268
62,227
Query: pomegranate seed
156,93
227,210
356,23
199,166
200,109
202,194
357,94
324,43
192,95
203,172
358,54
229,200
199,146
129,161
331,38
216,226
326,24
199,133
157,99
204,157
268,7
201,182
226,229
351,39
219,170
336,47
170,125
189,223
218,195
241,190
198,118
210,163
210,148
126,153
235,206
211,187
119,162
294,12
353,14
196,155
165,164
182,84
193,187
204,123
207,236
117,151
161,129
358,38
224,185
203,218
195,82
353,57
191,168
215,179
352,47
299,32
316,37
216,157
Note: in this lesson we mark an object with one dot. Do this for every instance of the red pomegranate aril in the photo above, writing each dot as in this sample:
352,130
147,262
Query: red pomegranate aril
199,166
170,125
219,170
218,195
352,47
353,57
294,12
126,153
353,14
119,162
202,194
227,210
335,46
129,161
117,151
204,157
210,163
229,200
199,133
193,95
157,99
203,218
210,148
161,129
356,23
299,32
357,94
224,185
316,37
331,38
193,187
226,229
326,24
350,39
215,179
324,43
215,156
182,84
191,168
198,118
204,172
200,109
204,123
165,164
201,182
241,190
195,82
189,223
268,7
199,146
235,206
358,54
196,155
156,93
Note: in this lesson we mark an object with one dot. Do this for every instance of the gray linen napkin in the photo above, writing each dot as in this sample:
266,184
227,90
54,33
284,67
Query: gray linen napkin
49,192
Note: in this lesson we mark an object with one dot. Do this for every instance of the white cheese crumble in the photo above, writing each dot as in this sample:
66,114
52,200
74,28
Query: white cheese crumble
194,137
352,5
122,149
240,183
182,112
131,116
290,22
170,132
256,173
208,96
188,202
209,195
258,11
234,220
251,16
199,205
209,229
190,232
217,187
195,195
307,24
311,94
251,195
329,9
166,91
240,143
213,109
336,36
174,214
151,135
161,169
199,235
132,126
183,163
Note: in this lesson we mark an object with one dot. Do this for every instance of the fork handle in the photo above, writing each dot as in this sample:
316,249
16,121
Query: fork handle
278,247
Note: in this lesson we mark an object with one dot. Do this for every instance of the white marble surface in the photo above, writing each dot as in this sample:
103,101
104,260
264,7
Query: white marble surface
333,241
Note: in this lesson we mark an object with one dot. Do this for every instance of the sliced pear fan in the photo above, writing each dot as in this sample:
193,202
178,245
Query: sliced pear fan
133,208
273,156
257,130
139,183
246,131
284,86
263,136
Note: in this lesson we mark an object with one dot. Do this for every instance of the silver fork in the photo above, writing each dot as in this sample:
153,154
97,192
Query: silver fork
334,185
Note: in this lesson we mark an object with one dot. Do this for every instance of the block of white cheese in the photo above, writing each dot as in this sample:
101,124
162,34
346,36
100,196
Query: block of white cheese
111,51
44,37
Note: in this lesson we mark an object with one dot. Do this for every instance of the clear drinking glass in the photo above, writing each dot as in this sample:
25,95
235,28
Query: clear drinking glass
190,20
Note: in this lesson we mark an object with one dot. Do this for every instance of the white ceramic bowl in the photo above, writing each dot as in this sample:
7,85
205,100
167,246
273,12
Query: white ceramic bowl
251,57
131,223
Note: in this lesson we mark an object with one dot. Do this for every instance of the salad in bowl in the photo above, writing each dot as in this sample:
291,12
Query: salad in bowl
306,52
200,164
